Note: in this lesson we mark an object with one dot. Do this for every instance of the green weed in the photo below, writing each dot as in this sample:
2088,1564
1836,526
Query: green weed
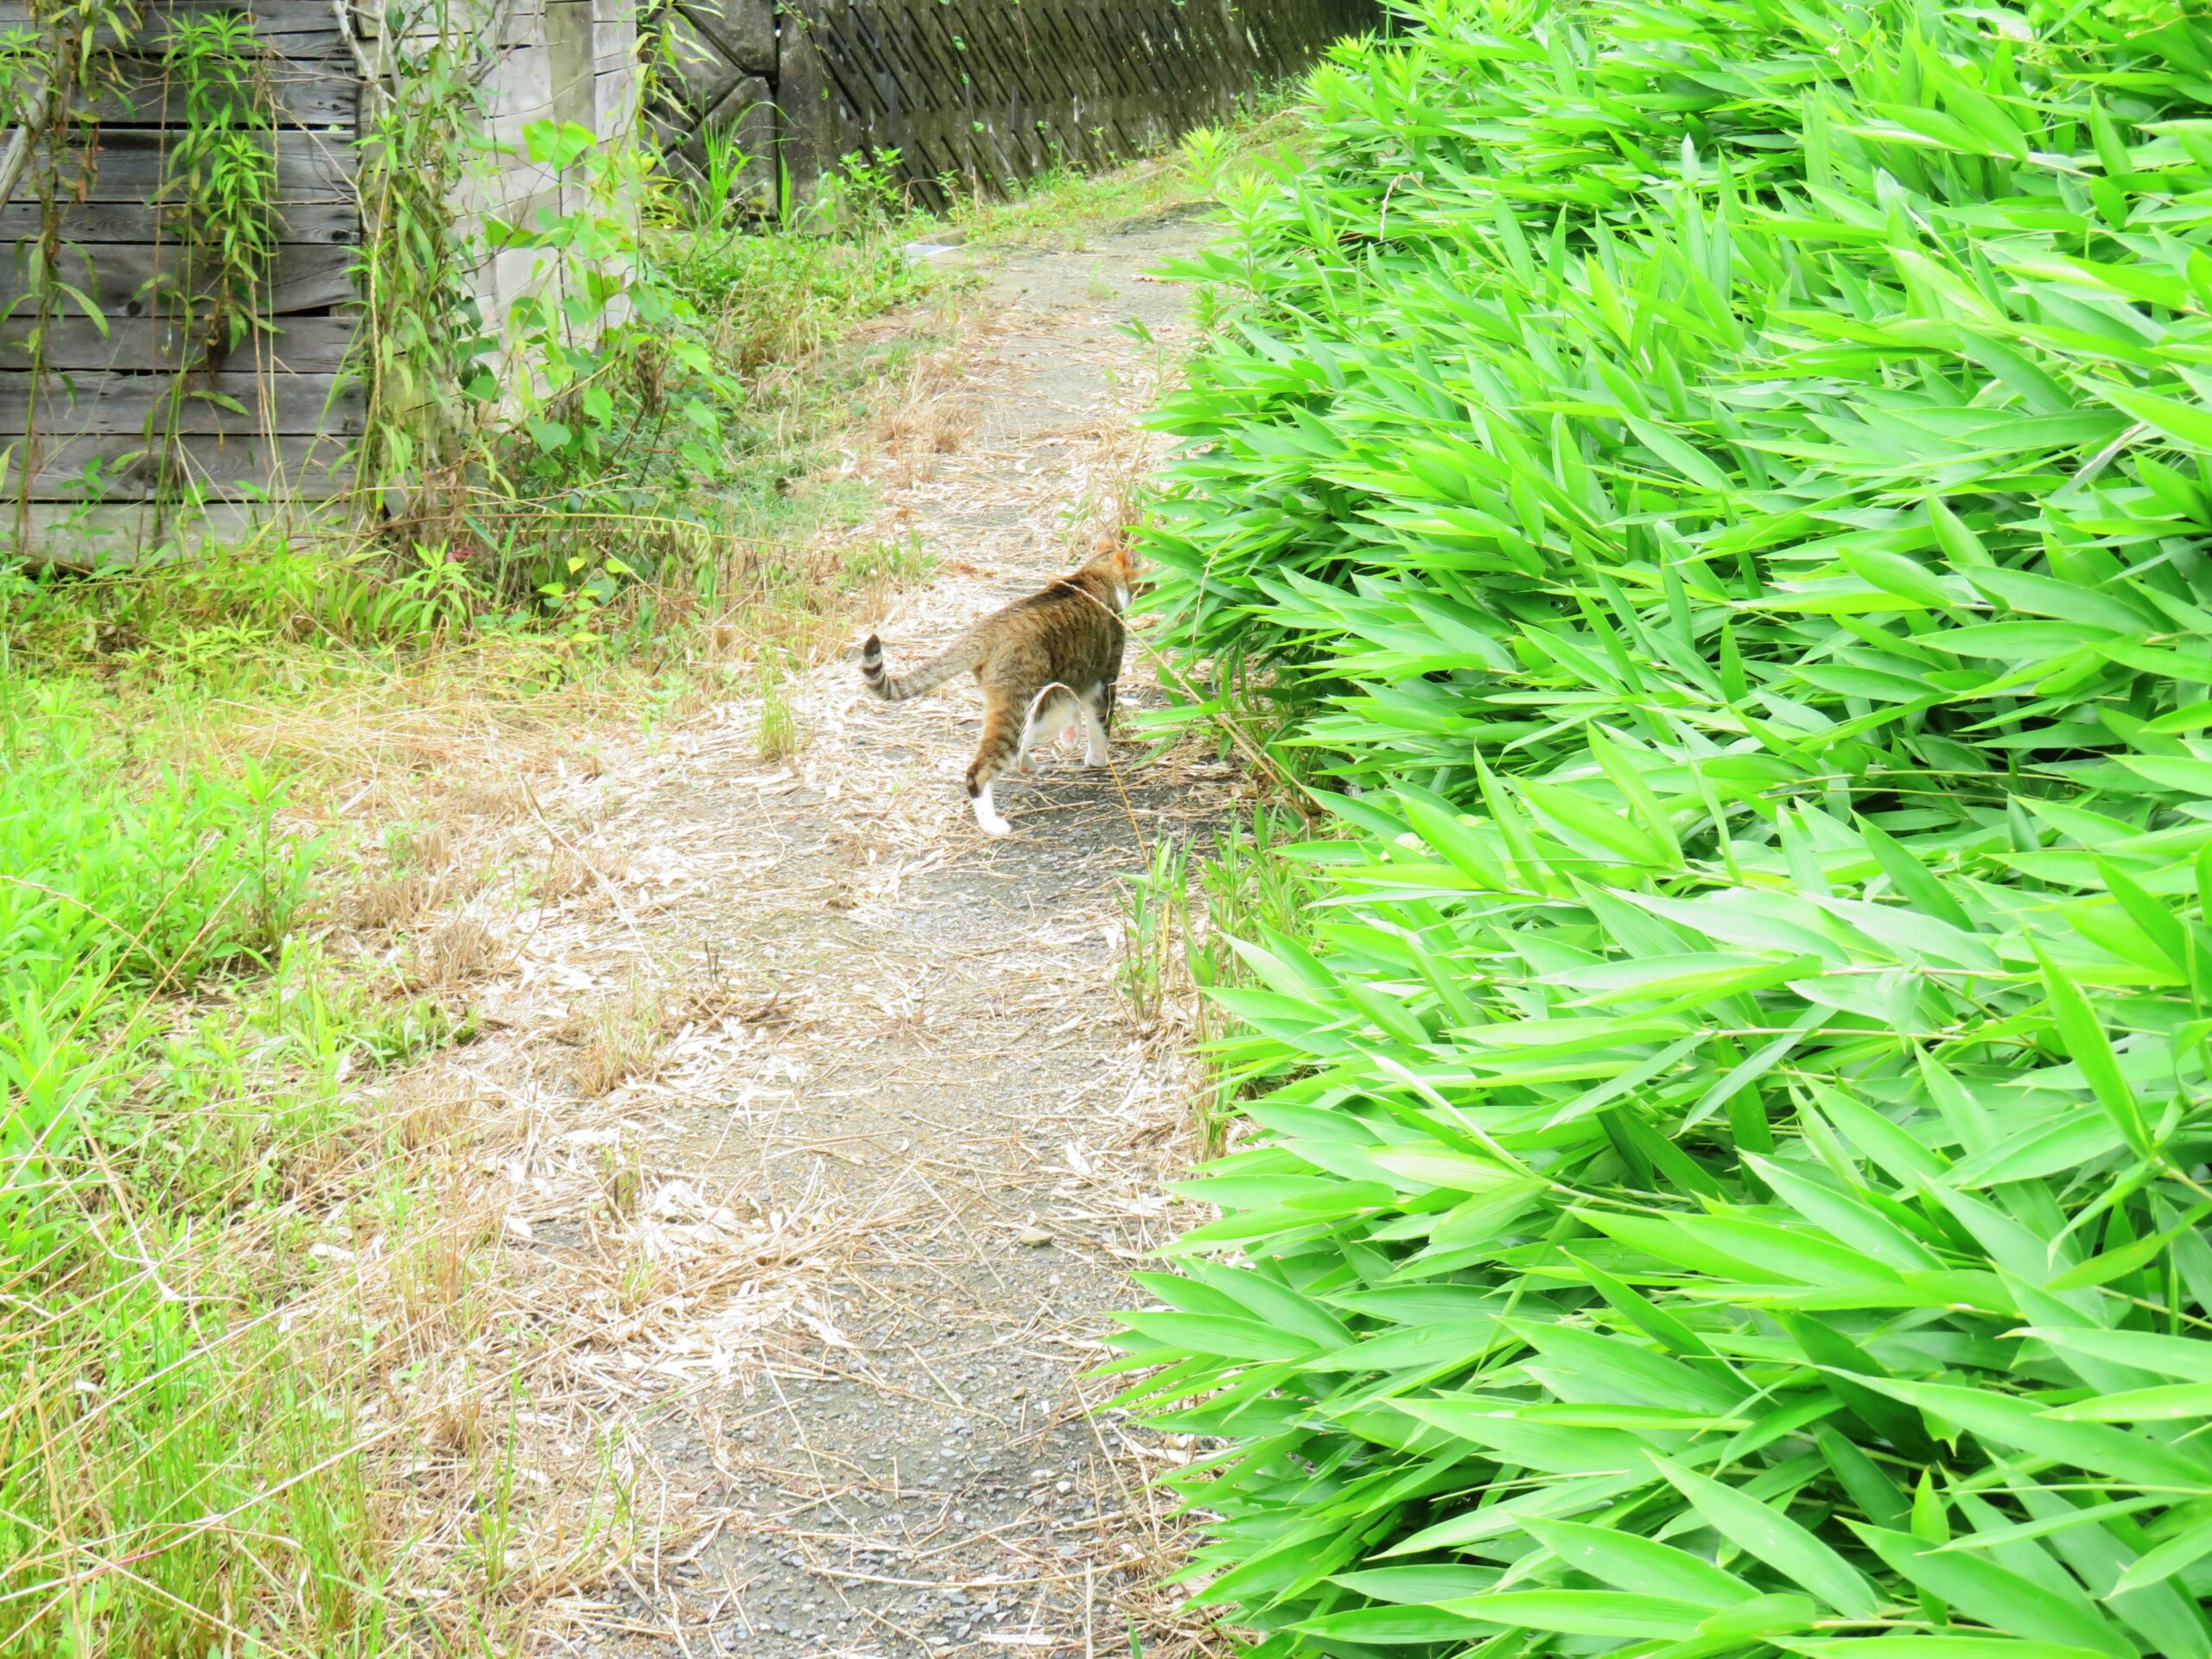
780,735
1156,924
175,1460
883,561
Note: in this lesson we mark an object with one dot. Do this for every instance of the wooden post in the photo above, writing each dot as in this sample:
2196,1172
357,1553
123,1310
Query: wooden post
809,128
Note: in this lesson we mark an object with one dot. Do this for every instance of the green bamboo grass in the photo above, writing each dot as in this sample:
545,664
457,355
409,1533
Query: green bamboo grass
1723,485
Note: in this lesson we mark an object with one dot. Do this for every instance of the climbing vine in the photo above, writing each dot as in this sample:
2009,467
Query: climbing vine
216,203
420,328
219,189
52,75
219,194
520,416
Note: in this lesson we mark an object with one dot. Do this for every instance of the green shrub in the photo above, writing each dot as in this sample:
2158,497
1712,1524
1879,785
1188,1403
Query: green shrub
1723,485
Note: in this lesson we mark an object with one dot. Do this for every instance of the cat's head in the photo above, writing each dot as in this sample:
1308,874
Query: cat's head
1114,560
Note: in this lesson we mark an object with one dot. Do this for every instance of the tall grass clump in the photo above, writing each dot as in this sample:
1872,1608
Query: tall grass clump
107,898
180,1468
1722,488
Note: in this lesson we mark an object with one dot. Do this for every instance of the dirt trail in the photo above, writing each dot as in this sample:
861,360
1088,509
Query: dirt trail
892,1171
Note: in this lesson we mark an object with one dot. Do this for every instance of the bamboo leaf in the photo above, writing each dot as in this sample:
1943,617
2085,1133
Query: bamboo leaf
1759,1529
2089,1047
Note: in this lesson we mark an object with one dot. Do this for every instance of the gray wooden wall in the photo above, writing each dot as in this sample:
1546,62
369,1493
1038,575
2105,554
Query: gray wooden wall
158,416
88,421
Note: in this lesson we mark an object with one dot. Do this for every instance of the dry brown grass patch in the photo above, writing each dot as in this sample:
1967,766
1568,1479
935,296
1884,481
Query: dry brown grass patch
493,800
921,416
1115,487
567,876
392,900
459,951
619,1043
710,1005
430,1111
429,848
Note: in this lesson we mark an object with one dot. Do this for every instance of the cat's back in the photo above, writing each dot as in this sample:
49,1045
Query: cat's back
1071,628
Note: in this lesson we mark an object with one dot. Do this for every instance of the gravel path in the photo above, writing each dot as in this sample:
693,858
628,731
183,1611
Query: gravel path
904,1148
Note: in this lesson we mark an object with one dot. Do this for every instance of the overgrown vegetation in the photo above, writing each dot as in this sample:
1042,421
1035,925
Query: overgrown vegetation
173,1456
262,1382
622,417
244,1289
1719,490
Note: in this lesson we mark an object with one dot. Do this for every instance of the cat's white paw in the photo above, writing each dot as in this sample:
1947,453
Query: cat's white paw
987,815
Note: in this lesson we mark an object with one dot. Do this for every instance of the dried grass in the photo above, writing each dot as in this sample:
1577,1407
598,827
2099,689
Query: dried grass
1117,487
569,874
429,848
618,1044
392,900
427,1113
489,800
925,414
457,952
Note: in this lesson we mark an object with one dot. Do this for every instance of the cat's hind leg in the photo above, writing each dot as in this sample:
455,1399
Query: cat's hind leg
1097,710
1000,747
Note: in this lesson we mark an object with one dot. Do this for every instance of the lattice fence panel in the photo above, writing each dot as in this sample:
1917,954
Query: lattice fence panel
983,93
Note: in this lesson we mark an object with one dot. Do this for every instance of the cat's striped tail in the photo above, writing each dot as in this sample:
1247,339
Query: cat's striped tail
897,688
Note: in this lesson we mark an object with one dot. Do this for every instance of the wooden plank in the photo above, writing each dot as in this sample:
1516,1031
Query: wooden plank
467,19
267,14
281,26
110,535
215,468
118,278
321,93
132,167
95,222
315,45
300,345
111,405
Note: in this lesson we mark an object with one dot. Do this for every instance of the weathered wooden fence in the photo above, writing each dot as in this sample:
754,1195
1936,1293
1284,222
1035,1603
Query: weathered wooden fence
116,400
981,93
106,390
109,416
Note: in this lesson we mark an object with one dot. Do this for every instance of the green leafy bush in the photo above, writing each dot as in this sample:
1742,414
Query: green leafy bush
1724,486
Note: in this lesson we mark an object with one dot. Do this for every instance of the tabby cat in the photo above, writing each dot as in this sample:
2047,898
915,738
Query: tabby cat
1045,662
